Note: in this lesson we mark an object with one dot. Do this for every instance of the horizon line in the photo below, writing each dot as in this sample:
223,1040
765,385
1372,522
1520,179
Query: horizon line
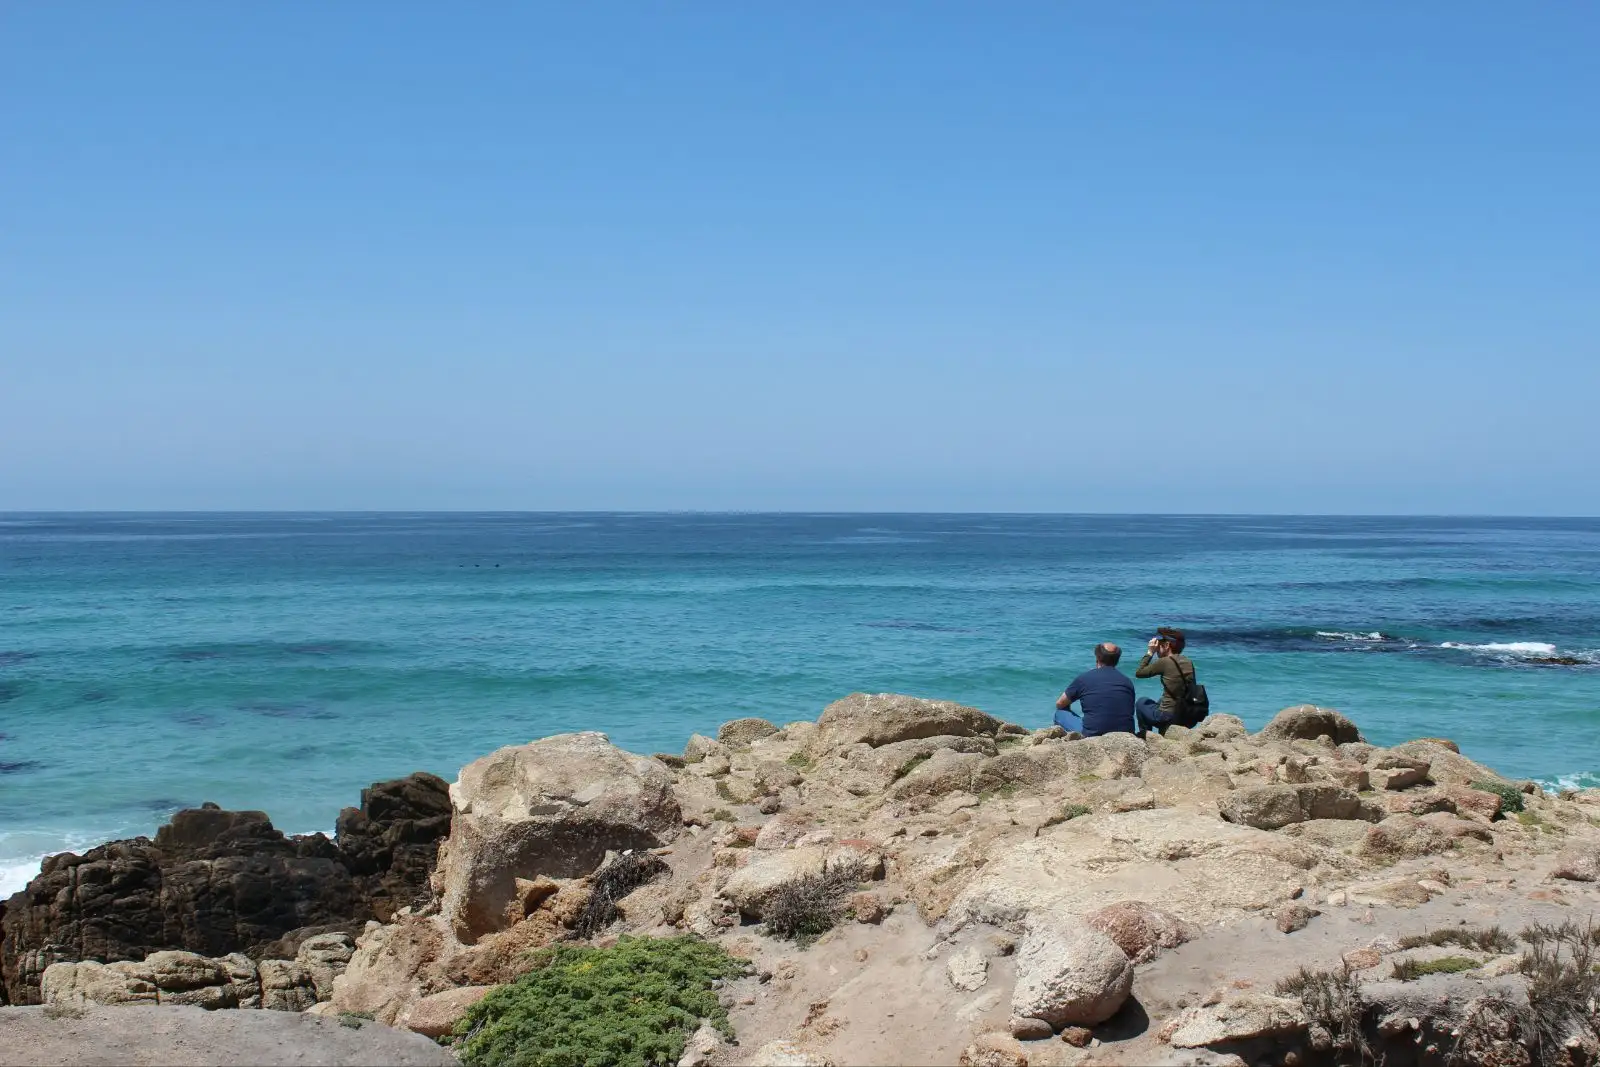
795,512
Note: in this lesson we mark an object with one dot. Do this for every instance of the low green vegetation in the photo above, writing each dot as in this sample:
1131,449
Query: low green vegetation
1005,792
725,793
799,761
631,1005
1533,822
1074,811
1411,970
1510,795
720,815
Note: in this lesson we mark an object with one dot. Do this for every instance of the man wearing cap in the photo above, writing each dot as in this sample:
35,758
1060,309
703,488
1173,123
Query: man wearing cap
1105,694
1164,659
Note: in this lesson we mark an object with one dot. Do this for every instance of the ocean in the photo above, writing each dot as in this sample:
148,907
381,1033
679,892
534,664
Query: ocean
285,661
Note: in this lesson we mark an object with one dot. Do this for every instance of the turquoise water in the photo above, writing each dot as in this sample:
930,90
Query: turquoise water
149,662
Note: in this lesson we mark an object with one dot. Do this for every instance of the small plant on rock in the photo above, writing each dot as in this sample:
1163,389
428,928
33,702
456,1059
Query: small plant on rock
632,1005
1332,1000
807,907
1560,967
911,764
1492,939
799,761
1510,795
1411,970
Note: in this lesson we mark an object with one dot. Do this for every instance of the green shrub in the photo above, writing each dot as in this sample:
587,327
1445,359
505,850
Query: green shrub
1510,795
1074,811
631,1005
799,760
1411,970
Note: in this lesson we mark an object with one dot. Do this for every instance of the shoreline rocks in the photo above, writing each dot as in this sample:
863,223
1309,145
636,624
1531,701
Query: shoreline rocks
957,888
216,882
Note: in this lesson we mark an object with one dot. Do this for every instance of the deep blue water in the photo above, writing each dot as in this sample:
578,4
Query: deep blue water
282,662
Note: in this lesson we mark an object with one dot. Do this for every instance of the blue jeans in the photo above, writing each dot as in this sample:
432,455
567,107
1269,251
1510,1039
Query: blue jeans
1147,713
1069,721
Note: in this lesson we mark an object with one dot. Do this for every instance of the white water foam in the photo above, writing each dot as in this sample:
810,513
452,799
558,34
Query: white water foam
16,874
1533,648
1338,635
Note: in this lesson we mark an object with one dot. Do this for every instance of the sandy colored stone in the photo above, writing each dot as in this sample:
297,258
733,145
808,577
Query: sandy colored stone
553,808
879,719
994,1049
744,731
436,1015
1069,973
968,970
787,1054
1243,1016
1309,722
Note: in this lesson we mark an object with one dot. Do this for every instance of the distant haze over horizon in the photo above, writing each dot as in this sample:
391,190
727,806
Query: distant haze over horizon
1233,258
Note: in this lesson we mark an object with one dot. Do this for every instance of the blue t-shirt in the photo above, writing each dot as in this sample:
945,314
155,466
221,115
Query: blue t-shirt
1106,695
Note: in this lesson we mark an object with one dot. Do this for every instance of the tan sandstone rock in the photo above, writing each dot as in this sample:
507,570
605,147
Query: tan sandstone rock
1309,722
553,808
1069,973
884,718
1271,807
1241,1017
744,731
436,1015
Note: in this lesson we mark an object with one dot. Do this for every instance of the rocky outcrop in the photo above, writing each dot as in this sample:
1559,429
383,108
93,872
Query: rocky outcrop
177,978
552,808
1272,807
214,882
1308,722
883,718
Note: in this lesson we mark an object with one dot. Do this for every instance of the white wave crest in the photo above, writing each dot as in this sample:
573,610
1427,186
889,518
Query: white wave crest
1340,635
16,874
1532,648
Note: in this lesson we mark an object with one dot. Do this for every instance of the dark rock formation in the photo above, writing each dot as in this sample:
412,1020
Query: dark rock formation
215,882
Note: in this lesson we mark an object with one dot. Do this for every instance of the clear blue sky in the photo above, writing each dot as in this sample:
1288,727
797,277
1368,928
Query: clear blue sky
1267,257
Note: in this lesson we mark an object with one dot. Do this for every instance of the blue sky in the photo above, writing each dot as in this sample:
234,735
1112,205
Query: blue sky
1157,257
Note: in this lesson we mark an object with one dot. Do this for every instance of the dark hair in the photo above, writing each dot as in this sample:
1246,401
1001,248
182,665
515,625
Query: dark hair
1107,653
1172,636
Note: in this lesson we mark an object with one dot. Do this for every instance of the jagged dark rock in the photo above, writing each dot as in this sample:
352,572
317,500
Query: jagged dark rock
215,882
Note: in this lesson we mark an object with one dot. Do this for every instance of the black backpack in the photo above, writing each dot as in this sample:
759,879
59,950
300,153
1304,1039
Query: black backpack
1194,705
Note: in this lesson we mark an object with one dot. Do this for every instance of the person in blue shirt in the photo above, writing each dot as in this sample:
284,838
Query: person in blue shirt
1105,694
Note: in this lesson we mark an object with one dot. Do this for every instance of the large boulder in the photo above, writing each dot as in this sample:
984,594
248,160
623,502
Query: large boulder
552,808
744,731
884,718
1270,807
1069,973
1309,722
215,882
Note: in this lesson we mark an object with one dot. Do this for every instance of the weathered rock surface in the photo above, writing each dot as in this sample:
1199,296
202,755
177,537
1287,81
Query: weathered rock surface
884,718
744,731
1308,722
190,1037
1272,807
1141,931
436,1015
551,808
185,978
214,882
1069,973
